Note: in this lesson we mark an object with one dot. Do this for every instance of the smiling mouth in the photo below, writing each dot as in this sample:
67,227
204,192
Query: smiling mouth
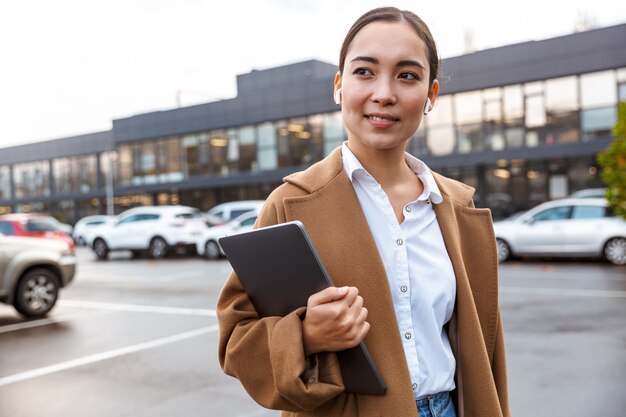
380,118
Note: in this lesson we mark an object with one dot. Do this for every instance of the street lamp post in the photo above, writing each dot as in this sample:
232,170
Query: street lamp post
112,159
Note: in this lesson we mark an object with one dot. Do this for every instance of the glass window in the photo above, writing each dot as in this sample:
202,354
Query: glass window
247,149
598,89
7,228
75,174
588,212
470,138
31,179
554,213
267,157
513,102
535,111
597,123
562,94
418,145
442,112
441,140
195,154
468,107
5,182
533,88
514,137
622,92
621,75
130,219
125,160
218,152
40,226
334,132
537,183
583,173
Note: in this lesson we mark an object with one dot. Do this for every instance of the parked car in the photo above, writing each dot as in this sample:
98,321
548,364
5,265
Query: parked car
225,212
589,193
33,225
567,227
85,225
207,245
155,229
32,271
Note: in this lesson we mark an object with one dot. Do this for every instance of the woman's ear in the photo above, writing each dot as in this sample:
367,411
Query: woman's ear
337,90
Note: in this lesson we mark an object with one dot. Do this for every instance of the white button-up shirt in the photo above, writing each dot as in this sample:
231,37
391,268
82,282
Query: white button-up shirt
419,271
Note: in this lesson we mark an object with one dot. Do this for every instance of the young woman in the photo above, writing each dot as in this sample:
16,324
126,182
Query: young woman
413,261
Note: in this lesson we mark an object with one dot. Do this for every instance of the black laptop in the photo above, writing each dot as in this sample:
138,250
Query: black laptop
279,269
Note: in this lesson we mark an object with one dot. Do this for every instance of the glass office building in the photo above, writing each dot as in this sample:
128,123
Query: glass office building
521,123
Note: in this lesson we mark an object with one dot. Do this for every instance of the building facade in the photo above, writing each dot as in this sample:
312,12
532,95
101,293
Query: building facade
521,123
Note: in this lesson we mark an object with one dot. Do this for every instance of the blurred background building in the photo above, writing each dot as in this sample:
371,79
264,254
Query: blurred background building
521,123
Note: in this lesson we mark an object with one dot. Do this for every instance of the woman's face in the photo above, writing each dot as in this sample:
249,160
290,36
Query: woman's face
384,86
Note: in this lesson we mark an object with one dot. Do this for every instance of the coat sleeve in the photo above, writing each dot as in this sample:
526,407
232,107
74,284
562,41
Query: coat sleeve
498,369
498,363
267,354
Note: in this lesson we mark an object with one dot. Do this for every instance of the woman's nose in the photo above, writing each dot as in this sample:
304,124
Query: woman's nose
383,93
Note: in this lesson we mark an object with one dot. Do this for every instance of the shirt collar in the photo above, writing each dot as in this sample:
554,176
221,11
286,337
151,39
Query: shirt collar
431,191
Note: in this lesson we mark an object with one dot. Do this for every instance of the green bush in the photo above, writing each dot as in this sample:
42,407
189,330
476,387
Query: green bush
613,163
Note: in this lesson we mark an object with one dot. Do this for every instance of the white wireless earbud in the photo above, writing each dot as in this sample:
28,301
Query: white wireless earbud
338,97
427,106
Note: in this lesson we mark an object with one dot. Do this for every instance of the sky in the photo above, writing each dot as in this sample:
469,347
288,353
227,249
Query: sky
69,67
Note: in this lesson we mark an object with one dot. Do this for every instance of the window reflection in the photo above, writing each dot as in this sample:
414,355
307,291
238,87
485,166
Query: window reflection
5,183
598,89
597,123
334,132
441,140
267,154
31,179
468,107
75,174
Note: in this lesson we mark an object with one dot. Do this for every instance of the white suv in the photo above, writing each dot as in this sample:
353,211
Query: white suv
155,229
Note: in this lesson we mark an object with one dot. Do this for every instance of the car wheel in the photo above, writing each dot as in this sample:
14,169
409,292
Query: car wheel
158,248
615,251
212,250
101,249
37,292
504,251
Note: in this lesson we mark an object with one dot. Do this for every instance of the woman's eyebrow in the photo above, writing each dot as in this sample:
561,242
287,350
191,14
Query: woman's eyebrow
409,63
399,64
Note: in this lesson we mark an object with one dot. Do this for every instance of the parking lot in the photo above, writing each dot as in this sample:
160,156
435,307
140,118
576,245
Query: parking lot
138,337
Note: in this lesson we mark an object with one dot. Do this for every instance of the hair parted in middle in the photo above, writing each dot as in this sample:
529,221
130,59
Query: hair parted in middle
393,14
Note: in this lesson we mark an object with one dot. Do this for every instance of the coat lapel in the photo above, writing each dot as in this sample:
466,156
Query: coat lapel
353,259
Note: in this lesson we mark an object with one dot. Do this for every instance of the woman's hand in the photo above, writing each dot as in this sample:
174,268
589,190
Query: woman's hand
335,320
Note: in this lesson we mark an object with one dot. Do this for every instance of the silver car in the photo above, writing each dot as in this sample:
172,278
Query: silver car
569,228
32,271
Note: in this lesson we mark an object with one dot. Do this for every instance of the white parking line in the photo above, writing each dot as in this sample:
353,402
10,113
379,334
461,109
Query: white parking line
138,308
98,357
564,291
46,321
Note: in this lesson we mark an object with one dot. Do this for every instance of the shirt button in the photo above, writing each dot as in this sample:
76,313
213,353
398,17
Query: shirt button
403,288
408,209
428,201
399,242
407,335
414,387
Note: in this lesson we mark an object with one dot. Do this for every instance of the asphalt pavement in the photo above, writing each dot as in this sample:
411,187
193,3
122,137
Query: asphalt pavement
138,337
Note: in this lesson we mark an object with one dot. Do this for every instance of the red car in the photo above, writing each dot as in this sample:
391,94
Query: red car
33,225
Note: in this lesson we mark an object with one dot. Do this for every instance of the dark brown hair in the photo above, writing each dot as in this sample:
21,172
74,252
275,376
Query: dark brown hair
392,14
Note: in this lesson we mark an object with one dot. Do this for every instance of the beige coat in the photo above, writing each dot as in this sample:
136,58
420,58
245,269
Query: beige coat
267,354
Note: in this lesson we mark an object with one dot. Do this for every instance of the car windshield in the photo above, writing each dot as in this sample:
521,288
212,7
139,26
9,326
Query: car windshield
190,215
40,226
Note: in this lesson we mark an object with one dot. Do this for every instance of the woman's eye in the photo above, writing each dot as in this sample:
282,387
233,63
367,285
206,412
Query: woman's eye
363,71
409,76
